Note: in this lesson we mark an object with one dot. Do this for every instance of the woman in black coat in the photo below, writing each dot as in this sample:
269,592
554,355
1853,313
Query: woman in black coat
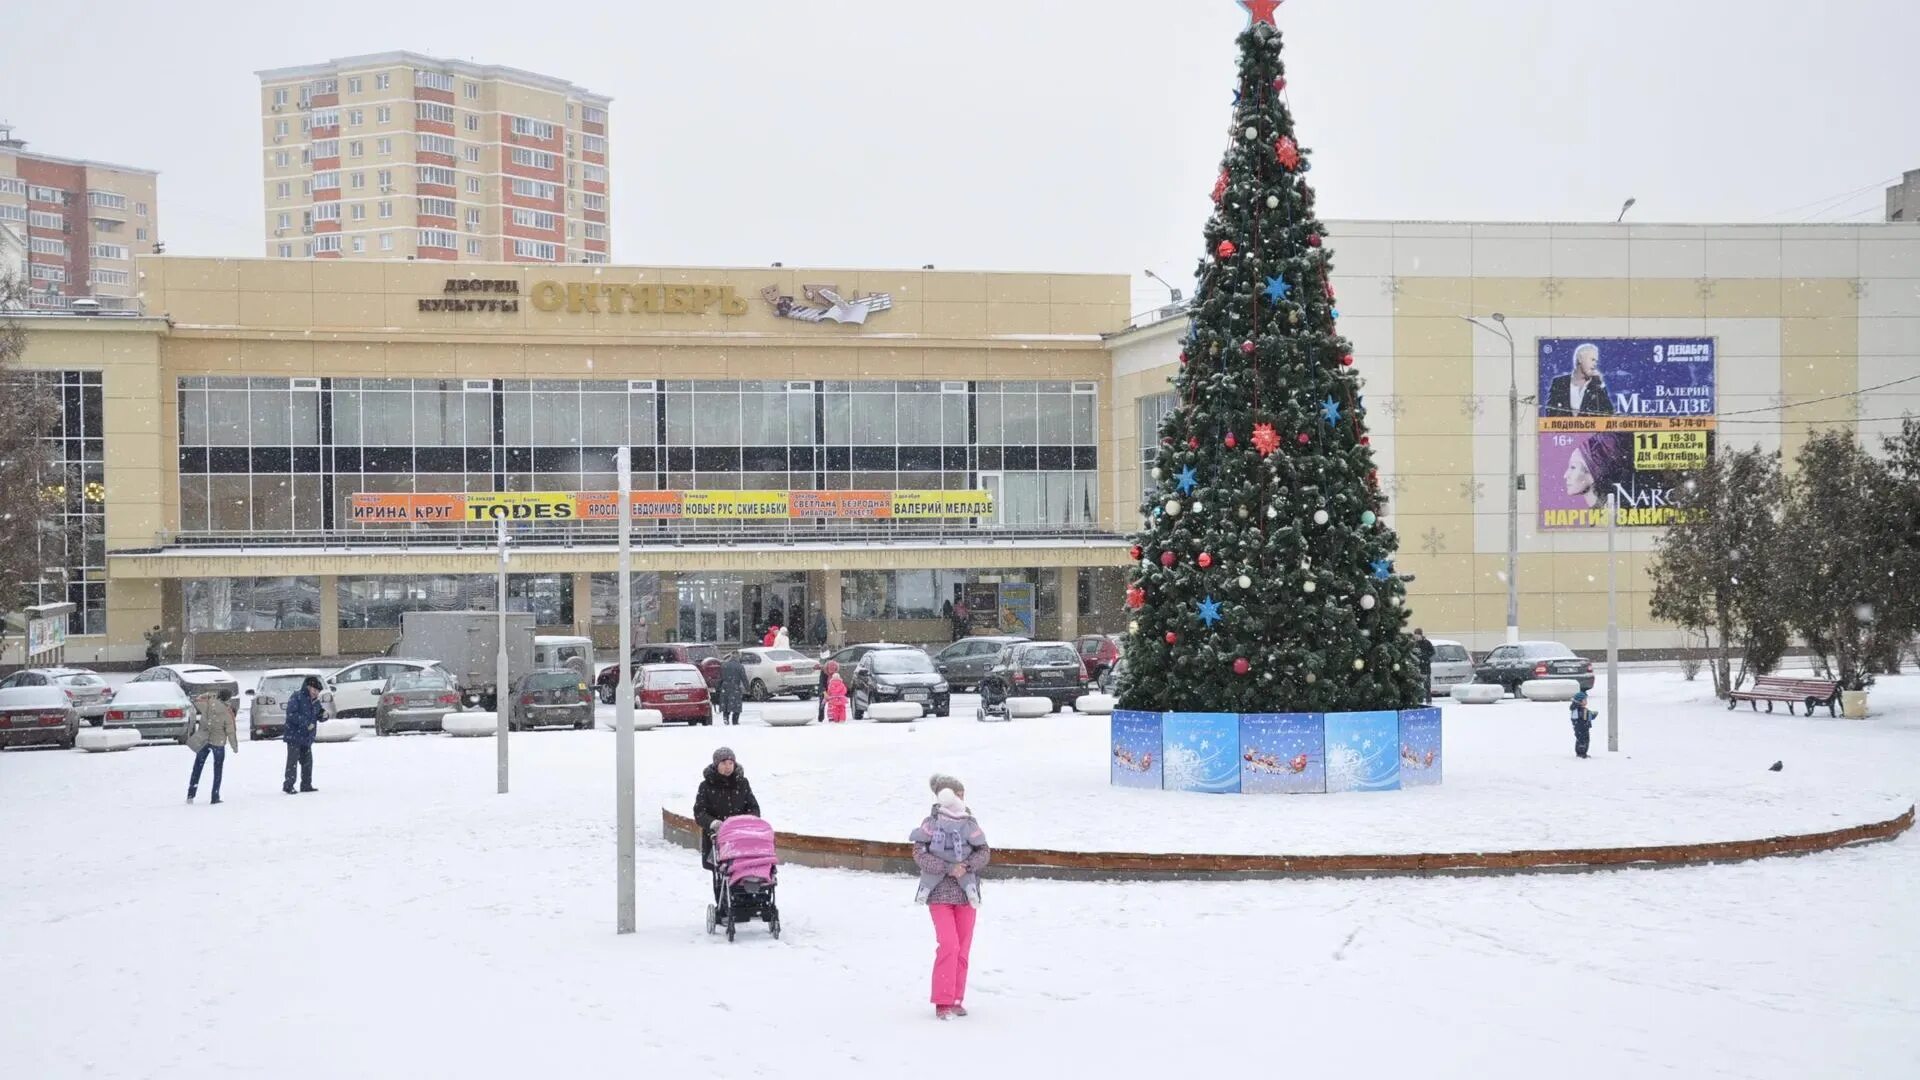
724,793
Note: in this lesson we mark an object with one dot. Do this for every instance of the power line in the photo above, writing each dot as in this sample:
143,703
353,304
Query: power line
1842,196
1815,401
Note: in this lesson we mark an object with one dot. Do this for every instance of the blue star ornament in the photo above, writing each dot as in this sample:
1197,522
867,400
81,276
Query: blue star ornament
1277,289
1382,569
1209,611
1330,411
1186,479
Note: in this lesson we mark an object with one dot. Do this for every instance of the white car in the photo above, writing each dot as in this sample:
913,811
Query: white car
779,671
156,708
1452,665
267,715
194,680
354,690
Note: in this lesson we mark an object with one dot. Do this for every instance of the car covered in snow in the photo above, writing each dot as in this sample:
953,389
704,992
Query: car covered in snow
193,680
415,700
37,716
87,691
157,709
1452,665
354,690
1524,661
556,697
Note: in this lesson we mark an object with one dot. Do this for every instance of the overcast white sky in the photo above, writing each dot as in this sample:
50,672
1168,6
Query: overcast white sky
1040,134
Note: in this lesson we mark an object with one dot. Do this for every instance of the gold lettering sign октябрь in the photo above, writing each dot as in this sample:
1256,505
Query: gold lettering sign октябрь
594,298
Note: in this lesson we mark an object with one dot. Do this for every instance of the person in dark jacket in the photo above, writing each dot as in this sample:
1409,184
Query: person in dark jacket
733,688
1582,718
1423,651
826,676
303,718
724,793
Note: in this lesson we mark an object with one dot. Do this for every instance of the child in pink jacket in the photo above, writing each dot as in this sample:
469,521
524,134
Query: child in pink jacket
836,695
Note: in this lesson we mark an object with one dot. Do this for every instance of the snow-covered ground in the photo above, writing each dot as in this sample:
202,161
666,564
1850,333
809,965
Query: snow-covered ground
407,921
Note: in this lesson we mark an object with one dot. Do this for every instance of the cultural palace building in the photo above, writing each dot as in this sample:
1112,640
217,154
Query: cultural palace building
280,457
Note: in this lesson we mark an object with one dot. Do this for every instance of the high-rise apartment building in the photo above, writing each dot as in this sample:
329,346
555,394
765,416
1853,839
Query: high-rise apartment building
403,156
82,221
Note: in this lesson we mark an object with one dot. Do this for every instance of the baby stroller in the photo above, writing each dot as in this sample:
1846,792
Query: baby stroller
744,872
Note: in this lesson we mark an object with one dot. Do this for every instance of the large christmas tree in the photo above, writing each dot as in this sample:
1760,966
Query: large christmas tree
1264,578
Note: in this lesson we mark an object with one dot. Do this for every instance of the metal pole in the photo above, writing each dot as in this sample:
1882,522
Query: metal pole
623,702
1613,631
1513,494
502,696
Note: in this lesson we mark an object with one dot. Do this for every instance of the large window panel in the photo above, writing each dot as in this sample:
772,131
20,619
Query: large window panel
874,423
516,419
273,503
992,431
193,418
227,420
1022,423
763,419
1085,432
556,417
228,502
603,418
309,503
346,418
193,503
920,418
387,418
799,418
271,412
716,419
953,410
439,418
838,421
304,429
644,419
680,419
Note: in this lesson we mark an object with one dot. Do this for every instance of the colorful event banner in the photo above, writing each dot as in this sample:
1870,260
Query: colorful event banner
1630,417
375,509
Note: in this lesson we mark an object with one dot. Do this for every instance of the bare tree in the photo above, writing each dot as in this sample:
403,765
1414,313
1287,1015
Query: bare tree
27,513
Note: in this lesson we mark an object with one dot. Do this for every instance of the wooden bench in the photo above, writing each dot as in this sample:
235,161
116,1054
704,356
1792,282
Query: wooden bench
1772,688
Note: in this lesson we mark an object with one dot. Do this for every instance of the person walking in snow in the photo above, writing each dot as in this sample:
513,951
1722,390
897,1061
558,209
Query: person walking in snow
836,698
217,732
733,688
724,793
1582,722
303,721
950,849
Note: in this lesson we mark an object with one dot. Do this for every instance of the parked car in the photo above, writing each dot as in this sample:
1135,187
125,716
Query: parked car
1049,669
1511,665
703,656
1452,664
416,700
554,651
1110,679
849,657
771,672
194,680
678,691
37,715
156,708
898,675
967,661
267,715
354,690
559,697
1098,653
87,691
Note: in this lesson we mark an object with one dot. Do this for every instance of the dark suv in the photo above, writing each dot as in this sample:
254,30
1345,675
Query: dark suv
1511,665
1048,669
898,675
702,655
967,661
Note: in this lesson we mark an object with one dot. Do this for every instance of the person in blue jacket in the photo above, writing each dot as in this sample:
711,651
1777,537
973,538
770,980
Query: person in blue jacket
303,717
1582,718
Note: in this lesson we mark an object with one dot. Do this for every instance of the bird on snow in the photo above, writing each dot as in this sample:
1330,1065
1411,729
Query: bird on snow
1776,766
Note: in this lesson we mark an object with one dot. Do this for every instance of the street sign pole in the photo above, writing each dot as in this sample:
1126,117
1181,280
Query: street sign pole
623,701
1613,631
502,698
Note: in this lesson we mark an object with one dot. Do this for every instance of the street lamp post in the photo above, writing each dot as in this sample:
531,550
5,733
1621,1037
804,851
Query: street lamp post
1513,472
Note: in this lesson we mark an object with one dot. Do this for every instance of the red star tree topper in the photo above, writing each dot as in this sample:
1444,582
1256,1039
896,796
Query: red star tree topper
1261,11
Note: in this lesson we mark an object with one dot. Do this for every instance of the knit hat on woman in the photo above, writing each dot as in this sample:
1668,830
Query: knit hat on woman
723,754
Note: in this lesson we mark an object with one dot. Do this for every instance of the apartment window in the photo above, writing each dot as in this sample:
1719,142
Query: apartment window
538,129
13,213
326,181
326,211
284,221
359,212
356,148
109,277
596,231
306,156
535,219
383,145
386,208
534,159
472,90
140,209
280,159
359,244
385,179
12,185
593,115
327,118
107,200
594,202
383,81
280,96
43,272
353,84
279,129
386,242
139,234
570,174
41,245
306,188
43,219
433,144
436,174
569,144
358,181
383,114
327,148
534,189
286,251
356,117
433,80
37,193
306,125
473,217
473,155
108,251
327,242
437,207
473,185
593,256
284,190
569,111
535,249
593,144
594,174
473,247
439,238
433,111
473,122
570,230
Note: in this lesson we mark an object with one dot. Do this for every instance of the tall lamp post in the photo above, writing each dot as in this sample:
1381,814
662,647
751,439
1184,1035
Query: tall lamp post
1513,472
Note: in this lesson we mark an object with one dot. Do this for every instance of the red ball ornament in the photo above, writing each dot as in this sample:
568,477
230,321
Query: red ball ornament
1313,240
1301,438
1226,249
1205,560
1135,552
1172,637
1280,83
1166,558
1183,356
1136,597
1241,667
1347,360
1231,440
1193,444
1366,440
1246,348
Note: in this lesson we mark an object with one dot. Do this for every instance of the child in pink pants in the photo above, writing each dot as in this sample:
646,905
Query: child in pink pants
950,849
836,695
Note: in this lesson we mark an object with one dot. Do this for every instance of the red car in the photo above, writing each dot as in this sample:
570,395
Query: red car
702,655
1098,653
677,691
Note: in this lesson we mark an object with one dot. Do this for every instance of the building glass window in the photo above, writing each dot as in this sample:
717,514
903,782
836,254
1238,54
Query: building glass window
378,602
1153,411
73,554
244,604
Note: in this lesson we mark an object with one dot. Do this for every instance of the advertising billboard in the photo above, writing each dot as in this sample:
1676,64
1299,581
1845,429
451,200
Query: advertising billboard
1628,417
401,509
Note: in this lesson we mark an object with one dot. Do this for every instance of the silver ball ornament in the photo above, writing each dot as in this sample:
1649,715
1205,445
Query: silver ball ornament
1198,506
1251,132
1366,602
1246,582
1172,508
1273,202
1319,517
1157,474
1310,679
1359,665
1308,586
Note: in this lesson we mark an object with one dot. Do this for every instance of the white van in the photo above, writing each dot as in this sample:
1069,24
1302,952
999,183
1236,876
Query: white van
555,651
1452,664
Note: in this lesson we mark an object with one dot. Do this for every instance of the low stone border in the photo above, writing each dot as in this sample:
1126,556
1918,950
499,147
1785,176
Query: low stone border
877,855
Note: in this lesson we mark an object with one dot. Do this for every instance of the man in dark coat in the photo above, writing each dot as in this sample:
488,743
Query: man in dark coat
1423,650
303,718
733,688
724,793
1582,391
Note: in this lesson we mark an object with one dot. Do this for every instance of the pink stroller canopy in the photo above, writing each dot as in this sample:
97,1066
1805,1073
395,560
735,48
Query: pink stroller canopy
744,846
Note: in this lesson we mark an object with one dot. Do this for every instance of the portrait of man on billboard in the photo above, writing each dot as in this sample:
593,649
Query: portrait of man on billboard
1582,391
